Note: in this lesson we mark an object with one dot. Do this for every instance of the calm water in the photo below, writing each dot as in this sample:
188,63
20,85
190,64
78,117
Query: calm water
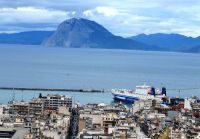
94,68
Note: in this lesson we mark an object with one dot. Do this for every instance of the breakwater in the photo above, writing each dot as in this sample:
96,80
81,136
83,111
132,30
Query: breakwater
54,89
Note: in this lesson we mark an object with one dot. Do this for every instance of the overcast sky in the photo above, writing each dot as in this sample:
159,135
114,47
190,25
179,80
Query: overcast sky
121,17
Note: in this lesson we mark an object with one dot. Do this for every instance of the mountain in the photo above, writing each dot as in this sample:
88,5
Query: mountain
27,38
83,33
195,49
169,42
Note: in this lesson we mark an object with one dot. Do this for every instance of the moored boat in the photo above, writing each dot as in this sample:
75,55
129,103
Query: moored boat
143,92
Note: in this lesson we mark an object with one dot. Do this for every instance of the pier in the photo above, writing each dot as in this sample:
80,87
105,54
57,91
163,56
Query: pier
54,89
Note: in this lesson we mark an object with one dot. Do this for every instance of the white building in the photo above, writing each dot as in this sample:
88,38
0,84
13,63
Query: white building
56,101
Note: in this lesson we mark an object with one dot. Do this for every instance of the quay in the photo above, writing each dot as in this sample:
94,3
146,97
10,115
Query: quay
54,89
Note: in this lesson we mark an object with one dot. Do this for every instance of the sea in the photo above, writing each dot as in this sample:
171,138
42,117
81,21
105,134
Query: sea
75,68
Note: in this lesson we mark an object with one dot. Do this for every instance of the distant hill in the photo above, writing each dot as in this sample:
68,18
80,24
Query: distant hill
195,49
83,33
169,42
27,38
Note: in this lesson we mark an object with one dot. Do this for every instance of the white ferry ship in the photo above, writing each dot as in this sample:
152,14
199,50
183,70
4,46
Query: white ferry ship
140,93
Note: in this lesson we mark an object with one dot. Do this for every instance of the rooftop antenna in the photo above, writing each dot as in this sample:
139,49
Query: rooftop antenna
22,96
74,100
13,98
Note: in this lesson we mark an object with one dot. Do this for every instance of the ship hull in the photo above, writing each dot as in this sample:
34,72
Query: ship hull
130,98
140,93
124,98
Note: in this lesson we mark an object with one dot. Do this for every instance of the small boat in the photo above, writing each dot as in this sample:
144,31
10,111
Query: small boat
143,92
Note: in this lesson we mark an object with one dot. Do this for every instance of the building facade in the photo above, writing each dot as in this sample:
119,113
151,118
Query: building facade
56,101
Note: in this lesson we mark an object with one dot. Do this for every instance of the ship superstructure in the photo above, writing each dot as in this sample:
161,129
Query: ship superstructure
140,93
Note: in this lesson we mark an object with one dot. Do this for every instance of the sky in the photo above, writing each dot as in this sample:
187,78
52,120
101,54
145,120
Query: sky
121,17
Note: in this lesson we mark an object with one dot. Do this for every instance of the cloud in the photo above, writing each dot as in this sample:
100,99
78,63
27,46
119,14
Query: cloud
134,17
107,11
119,21
127,17
31,18
31,15
102,10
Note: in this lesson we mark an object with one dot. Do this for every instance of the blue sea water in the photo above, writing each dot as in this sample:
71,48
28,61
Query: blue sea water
22,66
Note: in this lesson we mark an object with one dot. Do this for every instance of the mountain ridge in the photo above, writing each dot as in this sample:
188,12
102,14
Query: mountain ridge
84,33
26,38
171,42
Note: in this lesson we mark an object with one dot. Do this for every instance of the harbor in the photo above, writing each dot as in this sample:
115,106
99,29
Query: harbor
60,116
83,95
101,69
